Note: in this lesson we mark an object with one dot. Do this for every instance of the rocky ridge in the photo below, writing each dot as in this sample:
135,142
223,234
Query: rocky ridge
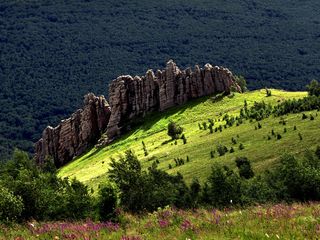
73,136
129,98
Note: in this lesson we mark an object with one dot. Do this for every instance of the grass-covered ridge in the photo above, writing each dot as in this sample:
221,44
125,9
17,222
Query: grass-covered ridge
91,168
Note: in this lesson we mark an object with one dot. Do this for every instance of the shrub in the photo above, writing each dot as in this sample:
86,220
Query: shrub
107,202
174,130
244,166
304,116
279,136
184,139
314,88
11,206
222,188
222,150
231,150
241,146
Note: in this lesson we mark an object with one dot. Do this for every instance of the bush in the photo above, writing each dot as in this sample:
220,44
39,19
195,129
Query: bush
222,188
244,166
11,206
314,88
241,146
107,202
174,130
222,150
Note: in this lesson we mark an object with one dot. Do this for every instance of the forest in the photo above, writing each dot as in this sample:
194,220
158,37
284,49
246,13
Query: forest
54,52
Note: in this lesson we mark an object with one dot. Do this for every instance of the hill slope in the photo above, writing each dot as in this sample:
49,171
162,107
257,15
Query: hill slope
91,168
54,52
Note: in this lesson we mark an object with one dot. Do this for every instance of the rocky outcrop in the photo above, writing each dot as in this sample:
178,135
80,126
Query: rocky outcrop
74,135
129,98
132,97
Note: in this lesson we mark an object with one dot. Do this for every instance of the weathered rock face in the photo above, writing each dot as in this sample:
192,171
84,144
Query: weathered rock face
131,97
74,135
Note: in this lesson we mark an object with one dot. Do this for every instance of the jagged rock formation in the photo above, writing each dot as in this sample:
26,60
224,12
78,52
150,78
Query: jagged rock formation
131,97
74,135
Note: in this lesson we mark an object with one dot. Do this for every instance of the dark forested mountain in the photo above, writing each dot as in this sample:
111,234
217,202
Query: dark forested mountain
52,52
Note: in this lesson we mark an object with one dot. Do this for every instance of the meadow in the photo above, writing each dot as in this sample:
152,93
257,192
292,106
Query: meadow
281,221
263,152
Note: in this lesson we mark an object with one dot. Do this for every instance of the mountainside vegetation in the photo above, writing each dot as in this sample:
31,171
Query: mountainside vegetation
195,170
54,52
213,133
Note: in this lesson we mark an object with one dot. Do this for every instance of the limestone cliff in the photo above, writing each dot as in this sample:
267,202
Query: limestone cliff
129,98
74,135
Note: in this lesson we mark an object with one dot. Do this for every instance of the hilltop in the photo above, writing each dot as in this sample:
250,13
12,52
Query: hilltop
91,168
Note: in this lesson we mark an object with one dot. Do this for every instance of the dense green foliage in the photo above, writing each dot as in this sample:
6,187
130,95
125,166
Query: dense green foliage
53,52
146,191
28,192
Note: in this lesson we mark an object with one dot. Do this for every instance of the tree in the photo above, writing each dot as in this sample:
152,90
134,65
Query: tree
241,81
174,130
11,206
107,202
314,88
244,166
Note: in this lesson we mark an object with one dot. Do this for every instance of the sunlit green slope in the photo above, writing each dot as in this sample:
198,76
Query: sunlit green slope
91,168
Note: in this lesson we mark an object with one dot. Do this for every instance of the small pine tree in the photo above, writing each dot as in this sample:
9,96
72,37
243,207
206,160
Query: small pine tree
311,117
317,152
272,132
175,142
269,138
170,166
188,159
279,136
211,128
200,127
255,128
284,130
259,125
233,140
212,154
300,136
183,137
204,124
295,128
231,150
304,116
241,146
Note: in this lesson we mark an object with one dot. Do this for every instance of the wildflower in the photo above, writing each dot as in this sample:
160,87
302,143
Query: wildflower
267,235
277,236
231,201
163,223
186,225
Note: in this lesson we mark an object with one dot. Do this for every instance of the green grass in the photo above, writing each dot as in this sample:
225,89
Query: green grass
297,221
91,168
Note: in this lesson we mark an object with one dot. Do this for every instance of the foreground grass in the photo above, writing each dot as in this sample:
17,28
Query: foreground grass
91,168
297,221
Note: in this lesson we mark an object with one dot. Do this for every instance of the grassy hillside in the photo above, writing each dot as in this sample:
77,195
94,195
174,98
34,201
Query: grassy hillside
91,168
53,52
